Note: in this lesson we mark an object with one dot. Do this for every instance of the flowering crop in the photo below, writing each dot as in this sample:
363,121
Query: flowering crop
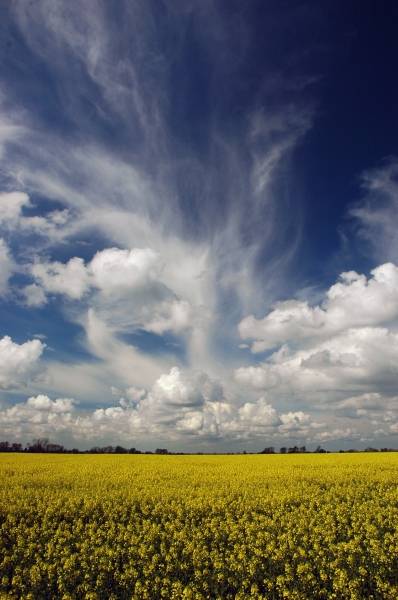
199,527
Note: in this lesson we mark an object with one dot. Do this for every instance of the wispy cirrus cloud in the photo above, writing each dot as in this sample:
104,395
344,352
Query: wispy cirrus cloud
155,188
375,215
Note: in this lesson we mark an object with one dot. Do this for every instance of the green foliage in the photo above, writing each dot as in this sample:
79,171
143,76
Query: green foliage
179,527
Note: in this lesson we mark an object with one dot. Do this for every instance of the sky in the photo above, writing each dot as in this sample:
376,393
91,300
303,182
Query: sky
199,223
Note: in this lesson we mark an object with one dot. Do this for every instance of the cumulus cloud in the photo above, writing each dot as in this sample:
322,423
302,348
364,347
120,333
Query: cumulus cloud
294,421
70,279
18,362
37,417
177,399
43,403
172,315
190,407
180,405
128,288
340,356
353,301
356,359
114,270
191,404
260,412
379,409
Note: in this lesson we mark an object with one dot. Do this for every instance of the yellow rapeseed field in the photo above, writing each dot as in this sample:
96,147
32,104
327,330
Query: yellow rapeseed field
146,527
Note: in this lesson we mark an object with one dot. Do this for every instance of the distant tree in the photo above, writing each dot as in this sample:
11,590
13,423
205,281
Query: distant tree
161,451
268,450
283,450
55,448
39,445
120,450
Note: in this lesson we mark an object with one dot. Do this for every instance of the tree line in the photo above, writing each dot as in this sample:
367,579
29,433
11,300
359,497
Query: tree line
44,445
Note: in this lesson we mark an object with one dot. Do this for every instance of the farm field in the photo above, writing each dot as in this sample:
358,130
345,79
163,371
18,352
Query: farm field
199,527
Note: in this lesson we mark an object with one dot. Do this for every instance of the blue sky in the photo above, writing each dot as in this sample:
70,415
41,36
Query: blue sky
198,214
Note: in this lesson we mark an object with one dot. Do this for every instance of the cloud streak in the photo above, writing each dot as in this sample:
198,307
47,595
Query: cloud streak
376,213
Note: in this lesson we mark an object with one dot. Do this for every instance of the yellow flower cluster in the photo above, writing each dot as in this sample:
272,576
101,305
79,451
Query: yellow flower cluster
199,527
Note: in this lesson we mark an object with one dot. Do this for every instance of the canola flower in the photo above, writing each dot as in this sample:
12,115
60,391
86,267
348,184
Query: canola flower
199,527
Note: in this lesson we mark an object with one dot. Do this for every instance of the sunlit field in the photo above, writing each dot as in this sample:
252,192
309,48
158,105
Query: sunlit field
148,527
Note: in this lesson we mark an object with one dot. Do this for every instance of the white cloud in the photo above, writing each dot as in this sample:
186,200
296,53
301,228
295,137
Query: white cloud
18,362
286,127
11,204
9,130
180,406
376,408
180,400
293,421
171,315
52,225
337,434
38,417
173,389
127,289
121,361
43,403
376,213
174,407
260,412
341,355
70,279
184,404
34,295
114,270
86,381
369,401
354,301
357,359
